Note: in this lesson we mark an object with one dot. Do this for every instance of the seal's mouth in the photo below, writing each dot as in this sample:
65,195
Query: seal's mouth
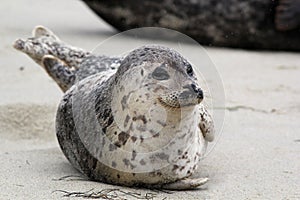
181,99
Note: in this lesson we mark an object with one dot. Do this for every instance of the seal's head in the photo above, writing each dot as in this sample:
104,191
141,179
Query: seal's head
160,75
154,101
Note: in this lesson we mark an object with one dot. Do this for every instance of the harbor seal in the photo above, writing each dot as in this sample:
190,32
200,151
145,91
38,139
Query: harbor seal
136,120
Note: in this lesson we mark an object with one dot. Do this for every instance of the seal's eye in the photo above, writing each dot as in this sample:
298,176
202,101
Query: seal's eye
160,74
189,70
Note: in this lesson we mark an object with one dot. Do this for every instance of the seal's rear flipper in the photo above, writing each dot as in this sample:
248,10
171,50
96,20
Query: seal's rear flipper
40,31
287,15
61,73
44,42
186,184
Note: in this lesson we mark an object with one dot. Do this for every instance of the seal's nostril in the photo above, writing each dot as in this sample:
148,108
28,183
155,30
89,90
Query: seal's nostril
194,87
195,90
200,94
198,91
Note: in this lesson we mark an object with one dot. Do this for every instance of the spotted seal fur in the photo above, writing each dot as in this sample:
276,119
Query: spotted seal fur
136,120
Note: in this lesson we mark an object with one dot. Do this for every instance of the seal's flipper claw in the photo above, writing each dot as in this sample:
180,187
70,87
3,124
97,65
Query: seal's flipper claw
287,15
186,184
59,71
40,31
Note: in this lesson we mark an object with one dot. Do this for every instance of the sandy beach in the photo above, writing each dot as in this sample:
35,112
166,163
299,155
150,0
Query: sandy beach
257,155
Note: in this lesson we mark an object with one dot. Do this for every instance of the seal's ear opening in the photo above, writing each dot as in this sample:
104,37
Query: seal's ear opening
40,31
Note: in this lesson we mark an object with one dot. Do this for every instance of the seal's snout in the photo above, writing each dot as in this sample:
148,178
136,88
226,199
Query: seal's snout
193,91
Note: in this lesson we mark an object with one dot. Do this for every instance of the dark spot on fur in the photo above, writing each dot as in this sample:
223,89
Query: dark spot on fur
113,164
133,155
181,168
112,147
124,100
117,144
103,141
155,173
133,138
133,174
162,156
202,117
147,95
184,157
142,139
126,161
175,167
142,162
131,127
118,175
140,117
115,132
158,173
179,152
123,137
142,72
127,118
156,135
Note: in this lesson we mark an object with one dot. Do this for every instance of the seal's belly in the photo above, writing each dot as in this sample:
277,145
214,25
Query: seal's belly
169,156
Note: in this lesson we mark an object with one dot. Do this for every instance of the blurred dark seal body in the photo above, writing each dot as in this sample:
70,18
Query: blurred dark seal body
230,23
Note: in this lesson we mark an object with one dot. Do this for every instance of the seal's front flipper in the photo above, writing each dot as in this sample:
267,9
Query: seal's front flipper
206,124
186,184
61,73
287,15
